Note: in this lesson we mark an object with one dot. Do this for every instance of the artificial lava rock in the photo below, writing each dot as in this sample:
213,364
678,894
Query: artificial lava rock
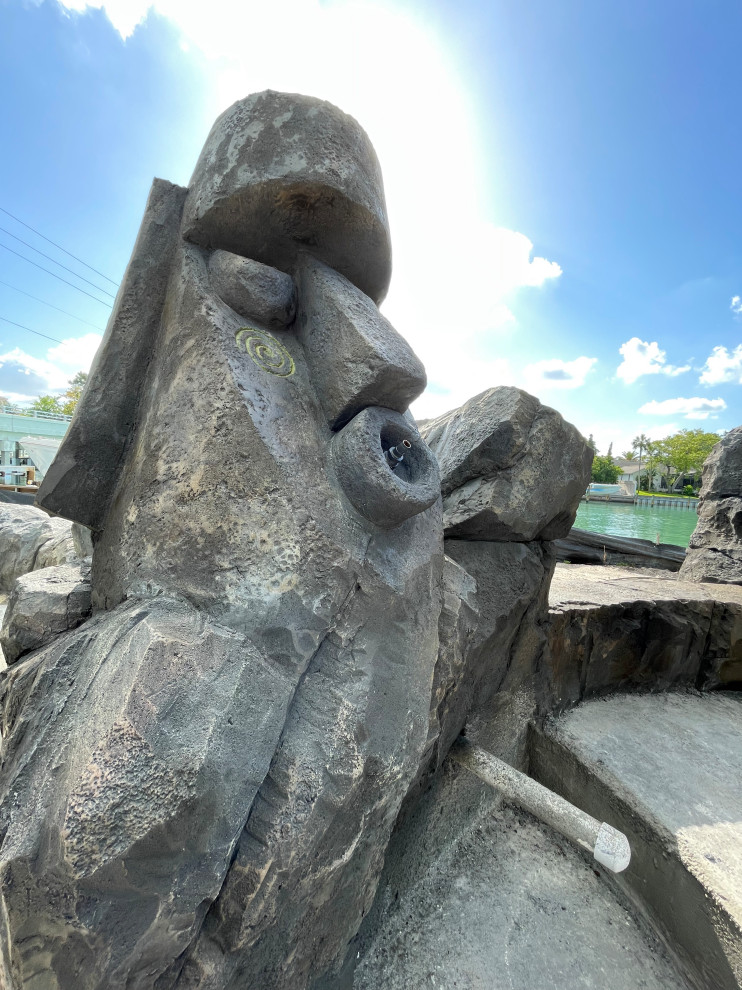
511,469
42,605
30,540
715,548
199,782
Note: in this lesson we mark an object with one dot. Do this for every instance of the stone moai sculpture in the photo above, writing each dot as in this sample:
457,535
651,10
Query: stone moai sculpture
200,781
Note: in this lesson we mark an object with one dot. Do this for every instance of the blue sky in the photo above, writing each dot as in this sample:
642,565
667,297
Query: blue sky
563,181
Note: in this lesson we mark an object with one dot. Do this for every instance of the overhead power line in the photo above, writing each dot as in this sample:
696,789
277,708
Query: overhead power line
51,306
19,255
54,261
58,246
37,332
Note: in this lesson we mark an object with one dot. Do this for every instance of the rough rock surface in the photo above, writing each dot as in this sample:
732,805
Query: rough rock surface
29,540
355,356
613,628
512,581
665,770
715,548
511,469
3,607
42,605
722,469
200,781
281,175
268,295
81,480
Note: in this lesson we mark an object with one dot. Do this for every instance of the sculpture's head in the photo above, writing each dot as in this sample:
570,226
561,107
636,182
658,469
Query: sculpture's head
236,427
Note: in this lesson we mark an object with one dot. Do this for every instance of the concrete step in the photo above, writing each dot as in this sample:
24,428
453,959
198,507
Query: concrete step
666,770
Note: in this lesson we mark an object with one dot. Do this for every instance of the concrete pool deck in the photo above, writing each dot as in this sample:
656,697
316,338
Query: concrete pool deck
666,770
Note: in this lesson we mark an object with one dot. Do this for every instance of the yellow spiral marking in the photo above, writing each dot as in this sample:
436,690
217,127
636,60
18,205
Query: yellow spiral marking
268,353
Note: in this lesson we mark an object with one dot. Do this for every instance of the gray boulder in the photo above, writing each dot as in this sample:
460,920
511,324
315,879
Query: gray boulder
722,469
29,540
715,548
511,469
42,605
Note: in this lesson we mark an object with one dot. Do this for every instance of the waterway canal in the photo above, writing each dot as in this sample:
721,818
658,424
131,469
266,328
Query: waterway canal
640,522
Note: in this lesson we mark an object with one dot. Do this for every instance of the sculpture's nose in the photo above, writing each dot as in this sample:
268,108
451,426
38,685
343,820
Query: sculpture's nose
366,376
356,357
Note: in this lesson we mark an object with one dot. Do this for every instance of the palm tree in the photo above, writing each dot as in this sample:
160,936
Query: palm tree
629,455
640,443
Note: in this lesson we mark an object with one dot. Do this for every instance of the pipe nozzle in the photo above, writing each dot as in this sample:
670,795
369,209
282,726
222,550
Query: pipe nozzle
395,454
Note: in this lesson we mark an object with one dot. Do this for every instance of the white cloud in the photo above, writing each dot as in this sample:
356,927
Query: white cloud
456,276
643,358
24,377
736,305
694,408
462,382
75,353
722,366
556,373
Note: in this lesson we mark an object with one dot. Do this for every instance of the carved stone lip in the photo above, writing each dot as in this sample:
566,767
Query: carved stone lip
384,495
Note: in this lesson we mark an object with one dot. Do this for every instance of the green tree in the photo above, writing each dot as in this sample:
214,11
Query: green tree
605,471
591,443
686,451
629,455
610,450
47,403
73,394
640,443
653,452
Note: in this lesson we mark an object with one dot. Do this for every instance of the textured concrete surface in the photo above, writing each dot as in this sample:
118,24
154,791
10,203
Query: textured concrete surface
486,898
666,770
583,584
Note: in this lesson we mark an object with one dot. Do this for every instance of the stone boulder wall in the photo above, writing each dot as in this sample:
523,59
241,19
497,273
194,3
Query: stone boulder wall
511,469
614,629
43,605
30,540
512,472
715,549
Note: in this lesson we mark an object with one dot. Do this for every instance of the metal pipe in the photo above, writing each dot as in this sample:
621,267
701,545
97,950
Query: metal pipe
395,455
608,846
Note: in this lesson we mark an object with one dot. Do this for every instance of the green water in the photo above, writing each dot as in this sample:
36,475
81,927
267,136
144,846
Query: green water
641,522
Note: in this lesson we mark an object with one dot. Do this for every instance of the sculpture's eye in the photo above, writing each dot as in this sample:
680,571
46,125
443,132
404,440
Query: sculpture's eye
253,290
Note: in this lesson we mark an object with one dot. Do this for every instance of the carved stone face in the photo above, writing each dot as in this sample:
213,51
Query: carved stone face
278,567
